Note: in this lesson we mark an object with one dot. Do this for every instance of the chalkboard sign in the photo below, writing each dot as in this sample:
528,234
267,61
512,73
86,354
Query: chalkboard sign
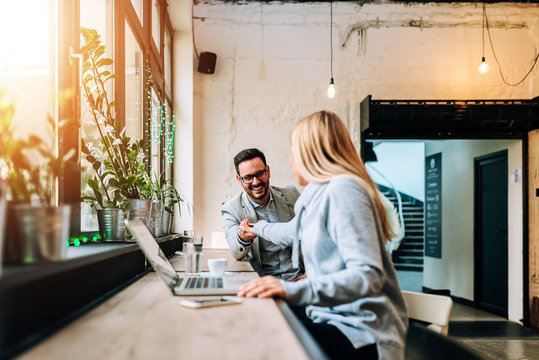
433,206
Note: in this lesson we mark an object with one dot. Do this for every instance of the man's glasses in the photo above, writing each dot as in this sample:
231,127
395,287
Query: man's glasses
248,179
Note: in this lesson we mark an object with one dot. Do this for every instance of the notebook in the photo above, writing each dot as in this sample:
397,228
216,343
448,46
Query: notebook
189,284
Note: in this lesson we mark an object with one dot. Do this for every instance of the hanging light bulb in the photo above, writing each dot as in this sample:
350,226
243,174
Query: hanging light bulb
483,67
331,89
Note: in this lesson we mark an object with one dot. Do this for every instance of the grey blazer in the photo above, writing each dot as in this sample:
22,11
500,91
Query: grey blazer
239,207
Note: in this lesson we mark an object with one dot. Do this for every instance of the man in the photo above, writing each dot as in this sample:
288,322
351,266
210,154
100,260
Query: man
259,201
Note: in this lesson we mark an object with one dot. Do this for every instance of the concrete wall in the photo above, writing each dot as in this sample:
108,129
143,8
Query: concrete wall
184,140
455,270
273,67
533,213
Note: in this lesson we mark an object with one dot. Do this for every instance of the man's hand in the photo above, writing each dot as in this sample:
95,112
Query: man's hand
246,231
264,287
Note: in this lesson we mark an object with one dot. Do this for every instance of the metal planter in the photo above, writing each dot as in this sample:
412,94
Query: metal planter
111,224
42,232
138,209
168,220
156,219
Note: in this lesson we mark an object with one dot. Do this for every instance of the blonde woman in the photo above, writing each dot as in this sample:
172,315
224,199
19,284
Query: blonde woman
355,308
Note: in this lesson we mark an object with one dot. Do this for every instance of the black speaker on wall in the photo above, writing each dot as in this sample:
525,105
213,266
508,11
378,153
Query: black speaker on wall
206,62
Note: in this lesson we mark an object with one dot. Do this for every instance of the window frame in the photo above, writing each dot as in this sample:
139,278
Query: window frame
69,186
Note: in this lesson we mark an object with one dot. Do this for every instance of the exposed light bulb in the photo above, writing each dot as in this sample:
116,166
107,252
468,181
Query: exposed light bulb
331,89
483,67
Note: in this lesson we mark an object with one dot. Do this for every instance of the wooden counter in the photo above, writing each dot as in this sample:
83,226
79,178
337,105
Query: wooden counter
145,321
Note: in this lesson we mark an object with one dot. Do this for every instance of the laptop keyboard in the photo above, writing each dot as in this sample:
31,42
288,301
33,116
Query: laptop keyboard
204,283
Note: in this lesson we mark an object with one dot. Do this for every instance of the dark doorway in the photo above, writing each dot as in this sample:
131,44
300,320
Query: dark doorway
490,190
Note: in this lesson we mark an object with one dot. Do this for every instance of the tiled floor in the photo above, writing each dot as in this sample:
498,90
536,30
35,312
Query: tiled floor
461,312
508,347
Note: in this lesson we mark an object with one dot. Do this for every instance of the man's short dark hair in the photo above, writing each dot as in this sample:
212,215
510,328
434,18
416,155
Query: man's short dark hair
248,154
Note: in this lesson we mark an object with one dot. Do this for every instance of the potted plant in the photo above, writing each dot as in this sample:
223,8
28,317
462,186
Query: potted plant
155,224
42,228
164,198
171,198
120,181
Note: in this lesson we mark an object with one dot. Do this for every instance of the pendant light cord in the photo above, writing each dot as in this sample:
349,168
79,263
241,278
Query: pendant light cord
331,39
485,19
193,28
483,34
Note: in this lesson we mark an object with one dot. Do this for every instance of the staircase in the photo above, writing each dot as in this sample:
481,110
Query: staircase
409,255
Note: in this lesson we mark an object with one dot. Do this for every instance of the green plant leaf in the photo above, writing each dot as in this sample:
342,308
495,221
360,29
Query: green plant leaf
105,62
96,165
113,182
98,197
93,184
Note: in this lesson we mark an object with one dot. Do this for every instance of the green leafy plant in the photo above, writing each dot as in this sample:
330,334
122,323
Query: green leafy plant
27,179
14,163
166,193
173,197
118,163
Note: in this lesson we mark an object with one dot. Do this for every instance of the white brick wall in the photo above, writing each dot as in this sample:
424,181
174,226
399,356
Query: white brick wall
273,68
237,107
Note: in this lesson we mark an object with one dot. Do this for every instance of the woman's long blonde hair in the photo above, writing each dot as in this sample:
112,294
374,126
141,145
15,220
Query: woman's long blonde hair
323,150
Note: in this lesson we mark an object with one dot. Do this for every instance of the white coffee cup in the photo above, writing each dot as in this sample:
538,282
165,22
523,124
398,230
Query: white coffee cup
217,266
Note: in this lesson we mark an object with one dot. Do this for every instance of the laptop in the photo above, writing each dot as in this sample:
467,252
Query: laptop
189,284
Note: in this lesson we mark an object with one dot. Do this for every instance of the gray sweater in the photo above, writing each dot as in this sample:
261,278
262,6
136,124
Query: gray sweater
351,282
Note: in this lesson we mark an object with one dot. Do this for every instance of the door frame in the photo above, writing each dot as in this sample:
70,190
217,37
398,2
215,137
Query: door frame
431,133
477,229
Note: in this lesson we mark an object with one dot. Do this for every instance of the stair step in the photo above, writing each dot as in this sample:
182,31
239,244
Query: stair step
412,243
408,258
412,207
408,262
410,267
412,246
411,252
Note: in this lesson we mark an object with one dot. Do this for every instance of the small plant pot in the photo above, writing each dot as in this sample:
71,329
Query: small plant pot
43,232
111,224
3,215
168,219
138,209
12,243
156,219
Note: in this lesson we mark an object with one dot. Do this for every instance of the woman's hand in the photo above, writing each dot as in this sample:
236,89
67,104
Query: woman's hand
264,287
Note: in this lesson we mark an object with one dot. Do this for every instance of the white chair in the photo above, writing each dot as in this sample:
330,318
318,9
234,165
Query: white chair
429,308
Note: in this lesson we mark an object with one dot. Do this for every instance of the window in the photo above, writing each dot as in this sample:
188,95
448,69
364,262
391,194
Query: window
156,24
94,14
133,85
35,74
28,75
168,59
138,5
168,144
156,128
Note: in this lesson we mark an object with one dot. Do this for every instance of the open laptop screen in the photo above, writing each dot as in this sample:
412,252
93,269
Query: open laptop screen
153,252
